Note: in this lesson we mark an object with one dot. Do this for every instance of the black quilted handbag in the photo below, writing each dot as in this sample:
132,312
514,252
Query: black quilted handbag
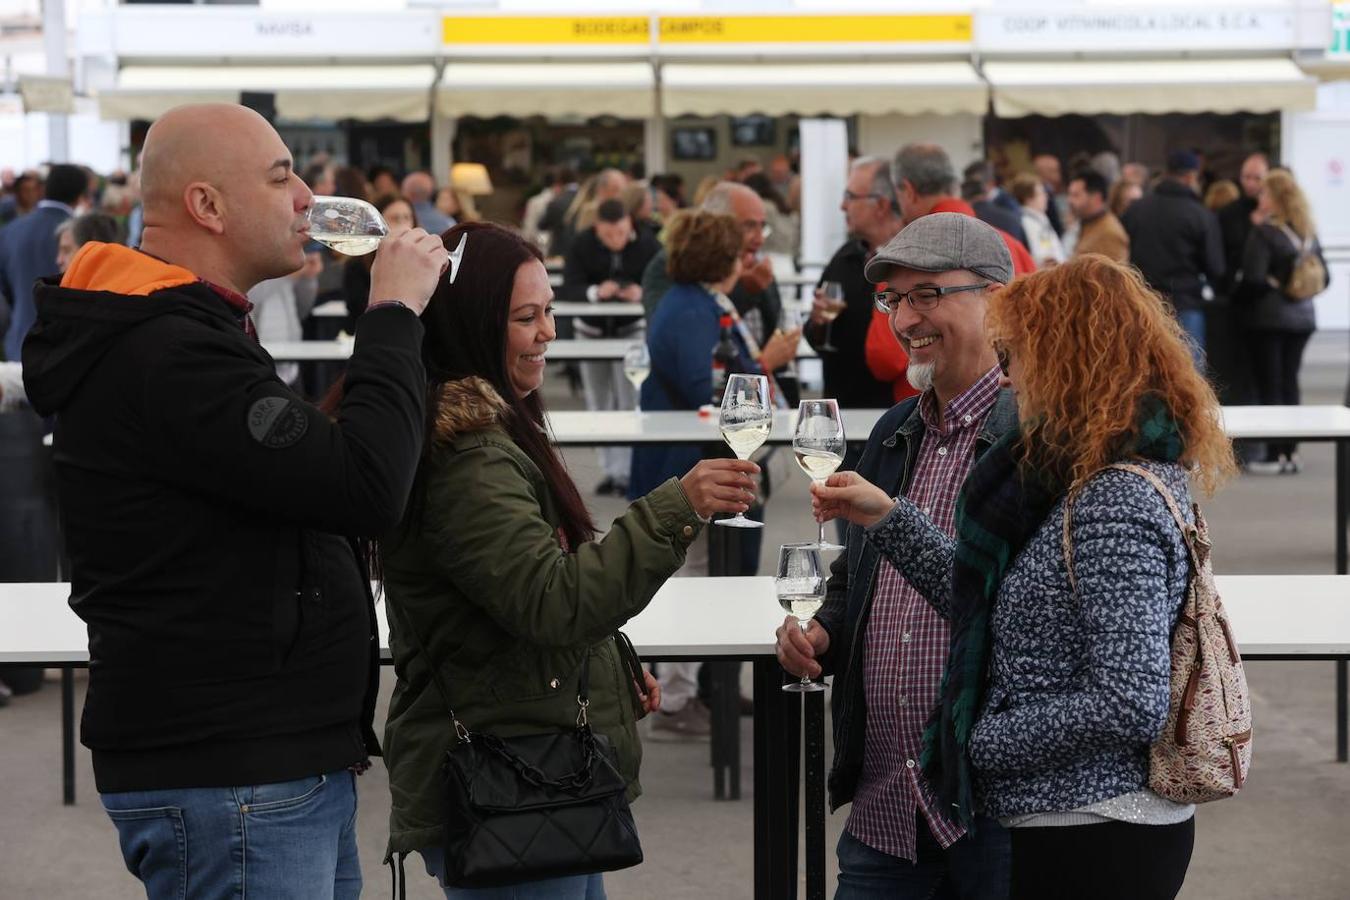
534,806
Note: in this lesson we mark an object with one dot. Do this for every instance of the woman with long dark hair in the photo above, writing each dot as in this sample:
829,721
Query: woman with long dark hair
495,577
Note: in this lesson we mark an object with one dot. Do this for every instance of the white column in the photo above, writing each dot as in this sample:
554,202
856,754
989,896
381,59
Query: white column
654,130
54,41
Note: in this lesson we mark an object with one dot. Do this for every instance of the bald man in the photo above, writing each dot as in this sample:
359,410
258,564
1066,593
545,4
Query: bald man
213,519
419,189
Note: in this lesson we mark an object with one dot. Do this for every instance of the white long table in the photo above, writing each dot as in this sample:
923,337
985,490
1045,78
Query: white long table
1304,617
607,349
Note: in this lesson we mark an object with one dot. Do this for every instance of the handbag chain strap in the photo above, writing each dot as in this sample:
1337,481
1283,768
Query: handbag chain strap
463,733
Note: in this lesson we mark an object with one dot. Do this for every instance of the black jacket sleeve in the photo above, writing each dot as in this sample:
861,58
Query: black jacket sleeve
575,277
1213,264
221,422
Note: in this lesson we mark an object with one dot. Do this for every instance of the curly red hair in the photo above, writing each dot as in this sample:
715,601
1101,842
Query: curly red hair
1091,341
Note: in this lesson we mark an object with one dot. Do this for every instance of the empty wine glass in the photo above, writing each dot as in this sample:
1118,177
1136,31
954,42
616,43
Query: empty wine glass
745,420
349,226
637,365
800,585
818,444
833,294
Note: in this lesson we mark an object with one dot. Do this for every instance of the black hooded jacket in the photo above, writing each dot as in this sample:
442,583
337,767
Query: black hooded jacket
210,516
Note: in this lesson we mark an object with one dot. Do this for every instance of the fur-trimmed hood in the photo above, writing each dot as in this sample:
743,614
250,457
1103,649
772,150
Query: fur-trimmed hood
467,405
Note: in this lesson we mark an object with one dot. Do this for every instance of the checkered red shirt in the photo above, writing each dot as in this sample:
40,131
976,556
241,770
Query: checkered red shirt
905,647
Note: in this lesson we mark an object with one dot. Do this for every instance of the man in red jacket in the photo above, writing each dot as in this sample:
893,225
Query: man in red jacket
925,180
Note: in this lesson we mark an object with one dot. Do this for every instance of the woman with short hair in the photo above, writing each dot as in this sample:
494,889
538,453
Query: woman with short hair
1042,241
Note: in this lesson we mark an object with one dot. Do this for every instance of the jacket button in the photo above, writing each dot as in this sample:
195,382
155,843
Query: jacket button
553,684
687,531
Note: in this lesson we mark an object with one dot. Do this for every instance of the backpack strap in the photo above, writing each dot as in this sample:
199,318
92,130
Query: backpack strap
1188,531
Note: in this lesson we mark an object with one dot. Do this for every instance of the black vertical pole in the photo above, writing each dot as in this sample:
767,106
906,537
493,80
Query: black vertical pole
815,795
777,770
68,735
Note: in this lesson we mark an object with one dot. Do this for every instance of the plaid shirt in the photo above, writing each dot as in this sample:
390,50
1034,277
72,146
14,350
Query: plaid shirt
905,647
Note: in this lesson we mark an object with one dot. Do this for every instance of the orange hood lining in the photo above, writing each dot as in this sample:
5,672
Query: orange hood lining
122,270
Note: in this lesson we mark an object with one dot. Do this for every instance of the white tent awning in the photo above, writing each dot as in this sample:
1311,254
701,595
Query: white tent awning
302,93
1149,86
863,88
547,89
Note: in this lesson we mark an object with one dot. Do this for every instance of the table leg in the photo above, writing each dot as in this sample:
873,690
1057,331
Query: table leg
777,764
815,795
68,735
1342,711
1342,522
726,725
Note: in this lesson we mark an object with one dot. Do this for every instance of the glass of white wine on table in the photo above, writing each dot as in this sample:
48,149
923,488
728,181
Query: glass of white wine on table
800,585
637,365
818,444
745,420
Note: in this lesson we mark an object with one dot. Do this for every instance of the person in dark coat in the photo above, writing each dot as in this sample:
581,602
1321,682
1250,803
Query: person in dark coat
1175,243
1277,325
28,249
978,189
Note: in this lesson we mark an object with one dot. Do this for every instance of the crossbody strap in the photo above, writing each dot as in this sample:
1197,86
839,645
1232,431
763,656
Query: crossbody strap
583,683
1188,531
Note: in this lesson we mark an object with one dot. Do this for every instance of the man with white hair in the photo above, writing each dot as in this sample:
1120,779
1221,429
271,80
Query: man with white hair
420,191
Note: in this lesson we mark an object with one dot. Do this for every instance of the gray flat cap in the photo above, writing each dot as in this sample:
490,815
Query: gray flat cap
942,242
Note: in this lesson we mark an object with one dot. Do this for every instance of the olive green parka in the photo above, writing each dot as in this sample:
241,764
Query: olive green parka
503,610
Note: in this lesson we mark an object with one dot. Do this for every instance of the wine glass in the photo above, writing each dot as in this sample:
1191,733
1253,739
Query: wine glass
746,419
818,444
800,585
349,226
833,293
637,365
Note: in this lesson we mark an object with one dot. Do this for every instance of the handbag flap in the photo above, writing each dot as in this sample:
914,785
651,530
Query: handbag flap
536,771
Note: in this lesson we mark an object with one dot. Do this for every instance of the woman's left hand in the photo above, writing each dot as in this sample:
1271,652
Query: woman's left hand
847,495
650,691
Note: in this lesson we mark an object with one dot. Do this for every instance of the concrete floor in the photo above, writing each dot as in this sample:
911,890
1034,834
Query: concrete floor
1285,836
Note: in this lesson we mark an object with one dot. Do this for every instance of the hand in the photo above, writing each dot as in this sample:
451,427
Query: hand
755,275
650,692
780,350
798,650
847,495
407,269
819,307
607,289
720,486
632,293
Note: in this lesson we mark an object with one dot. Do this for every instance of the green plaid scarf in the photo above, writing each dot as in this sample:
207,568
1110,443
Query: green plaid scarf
998,510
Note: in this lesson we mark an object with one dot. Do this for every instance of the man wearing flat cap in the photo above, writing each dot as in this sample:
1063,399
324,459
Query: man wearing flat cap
884,644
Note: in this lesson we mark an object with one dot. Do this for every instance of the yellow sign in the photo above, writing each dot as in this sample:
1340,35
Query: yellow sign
816,29
900,29
545,30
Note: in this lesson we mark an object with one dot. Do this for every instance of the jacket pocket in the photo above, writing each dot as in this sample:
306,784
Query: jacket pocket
530,673
287,597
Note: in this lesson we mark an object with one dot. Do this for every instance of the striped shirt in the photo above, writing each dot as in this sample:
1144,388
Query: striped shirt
905,647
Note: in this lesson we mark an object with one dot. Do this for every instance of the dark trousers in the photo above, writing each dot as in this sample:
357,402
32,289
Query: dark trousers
1276,358
973,868
1107,861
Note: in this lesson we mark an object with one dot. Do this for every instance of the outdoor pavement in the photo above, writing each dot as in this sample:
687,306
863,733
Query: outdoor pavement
1286,836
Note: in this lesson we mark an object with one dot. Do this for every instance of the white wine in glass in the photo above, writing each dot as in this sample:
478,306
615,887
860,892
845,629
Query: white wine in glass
833,294
800,586
745,421
348,226
637,364
818,443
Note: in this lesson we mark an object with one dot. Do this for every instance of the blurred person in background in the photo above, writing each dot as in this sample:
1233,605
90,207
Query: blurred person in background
1098,229
419,189
637,199
980,191
22,198
1233,368
1221,192
1122,194
924,181
669,195
1107,164
783,227
705,186
781,175
872,216
756,297
1175,243
457,205
1044,244
349,181
1048,169
1276,317
1136,173
605,266
746,167
74,233
281,305
559,177
1239,216
564,223
399,216
383,181
703,257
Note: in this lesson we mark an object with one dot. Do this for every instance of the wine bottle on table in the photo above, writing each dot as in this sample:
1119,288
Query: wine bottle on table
724,361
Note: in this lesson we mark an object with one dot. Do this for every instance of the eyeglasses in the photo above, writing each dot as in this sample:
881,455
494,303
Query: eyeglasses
922,298
750,226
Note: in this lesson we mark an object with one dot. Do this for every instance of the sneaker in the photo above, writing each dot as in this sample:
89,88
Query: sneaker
1290,466
1269,467
691,723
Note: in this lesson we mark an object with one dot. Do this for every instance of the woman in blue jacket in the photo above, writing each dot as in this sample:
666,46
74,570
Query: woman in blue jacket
1058,678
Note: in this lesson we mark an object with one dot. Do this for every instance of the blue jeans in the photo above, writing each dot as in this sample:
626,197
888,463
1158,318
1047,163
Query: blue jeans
1193,323
293,839
977,867
574,887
